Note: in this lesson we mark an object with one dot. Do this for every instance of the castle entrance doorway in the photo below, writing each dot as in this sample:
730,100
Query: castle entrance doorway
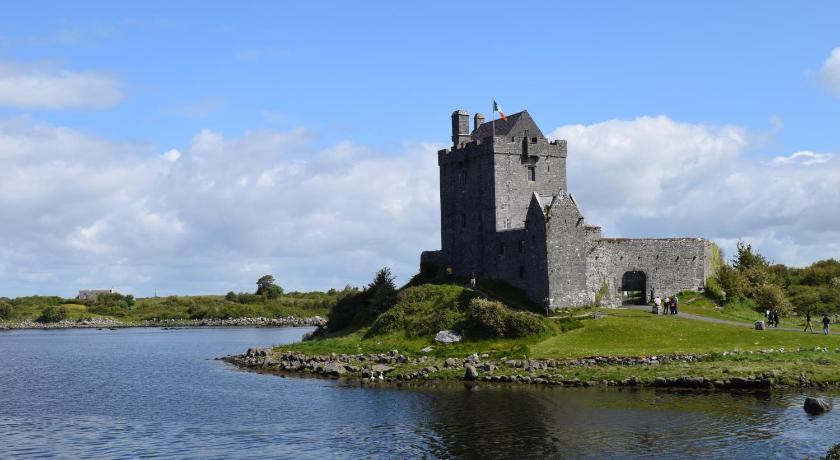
633,285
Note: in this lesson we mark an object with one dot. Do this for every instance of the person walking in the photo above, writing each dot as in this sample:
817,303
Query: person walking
657,305
675,303
472,280
808,322
826,321
771,318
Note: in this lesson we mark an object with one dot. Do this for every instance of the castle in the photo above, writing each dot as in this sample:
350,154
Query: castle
507,214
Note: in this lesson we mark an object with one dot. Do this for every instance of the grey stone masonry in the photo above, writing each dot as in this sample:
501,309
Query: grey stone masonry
506,214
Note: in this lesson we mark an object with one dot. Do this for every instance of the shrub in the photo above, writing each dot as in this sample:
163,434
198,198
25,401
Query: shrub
52,314
486,319
425,310
771,297
6,309
714,290
230,296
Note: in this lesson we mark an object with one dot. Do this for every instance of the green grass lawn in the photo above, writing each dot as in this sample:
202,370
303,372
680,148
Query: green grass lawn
636,333
698,304
618,333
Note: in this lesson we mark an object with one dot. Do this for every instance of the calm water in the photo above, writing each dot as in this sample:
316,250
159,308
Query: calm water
154,393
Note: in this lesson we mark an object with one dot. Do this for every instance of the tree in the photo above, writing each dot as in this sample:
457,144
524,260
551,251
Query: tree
6,309
383,291
746,258
772,297
230,296
267,287
53,314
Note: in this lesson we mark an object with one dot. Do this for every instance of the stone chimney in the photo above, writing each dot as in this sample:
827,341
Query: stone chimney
478,119
460,128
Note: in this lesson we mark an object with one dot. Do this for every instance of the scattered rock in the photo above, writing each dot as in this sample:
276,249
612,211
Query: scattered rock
448,337
470,373
426,350
815,406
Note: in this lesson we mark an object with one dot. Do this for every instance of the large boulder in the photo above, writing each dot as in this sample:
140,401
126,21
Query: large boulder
334,368
816,406
448,337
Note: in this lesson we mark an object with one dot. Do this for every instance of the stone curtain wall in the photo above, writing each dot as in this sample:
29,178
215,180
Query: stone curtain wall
670,265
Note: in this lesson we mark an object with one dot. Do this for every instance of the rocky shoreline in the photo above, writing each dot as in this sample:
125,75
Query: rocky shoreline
394,367
108,323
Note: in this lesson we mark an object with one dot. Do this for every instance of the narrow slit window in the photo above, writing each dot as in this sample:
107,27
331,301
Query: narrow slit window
464,220
532,173
521,246
522,272
501,248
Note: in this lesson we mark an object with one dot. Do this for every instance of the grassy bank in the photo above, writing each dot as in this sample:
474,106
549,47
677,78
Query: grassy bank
789,357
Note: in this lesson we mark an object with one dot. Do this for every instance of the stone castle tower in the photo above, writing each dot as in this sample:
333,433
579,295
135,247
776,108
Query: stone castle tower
506,214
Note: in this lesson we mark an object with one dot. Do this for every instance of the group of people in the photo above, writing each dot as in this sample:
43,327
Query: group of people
669,305
826,322
772,318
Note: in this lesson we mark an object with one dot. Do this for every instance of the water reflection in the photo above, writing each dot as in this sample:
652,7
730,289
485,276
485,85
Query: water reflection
152,393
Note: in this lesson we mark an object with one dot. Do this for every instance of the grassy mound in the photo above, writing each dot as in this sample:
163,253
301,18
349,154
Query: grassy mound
426,309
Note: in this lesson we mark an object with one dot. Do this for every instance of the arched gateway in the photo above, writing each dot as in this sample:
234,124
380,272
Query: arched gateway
633,285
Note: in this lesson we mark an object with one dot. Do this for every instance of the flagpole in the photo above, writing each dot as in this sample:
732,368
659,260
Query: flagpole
493,109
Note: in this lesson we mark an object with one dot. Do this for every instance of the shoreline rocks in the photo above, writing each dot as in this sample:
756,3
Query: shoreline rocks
371,369
108,323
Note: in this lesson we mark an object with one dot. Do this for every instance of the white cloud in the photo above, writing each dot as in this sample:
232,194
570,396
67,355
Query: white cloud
659,177
43,87
97,213
830,72
84,212
171,155
802,157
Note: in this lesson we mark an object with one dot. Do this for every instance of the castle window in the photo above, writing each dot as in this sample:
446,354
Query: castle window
522,272
462,177
501,248
464,220
532,173
521,246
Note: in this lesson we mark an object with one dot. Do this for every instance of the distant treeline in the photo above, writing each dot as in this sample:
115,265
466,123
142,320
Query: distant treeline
269,301
750,278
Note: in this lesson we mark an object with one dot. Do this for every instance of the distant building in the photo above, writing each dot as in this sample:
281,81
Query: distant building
91,294
506,213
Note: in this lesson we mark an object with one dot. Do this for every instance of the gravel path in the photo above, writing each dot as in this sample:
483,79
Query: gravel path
708,319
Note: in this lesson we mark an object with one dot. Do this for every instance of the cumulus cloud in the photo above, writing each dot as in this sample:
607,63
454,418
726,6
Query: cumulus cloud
210,217
830,72
43,87
659,177
213,215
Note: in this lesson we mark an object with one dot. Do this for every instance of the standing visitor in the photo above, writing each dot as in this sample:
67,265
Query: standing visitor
657,305
472,280
767,315
775,318
675,303
826,322
808,322
449,274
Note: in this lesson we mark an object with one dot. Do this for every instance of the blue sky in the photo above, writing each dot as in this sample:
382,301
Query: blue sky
349,83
